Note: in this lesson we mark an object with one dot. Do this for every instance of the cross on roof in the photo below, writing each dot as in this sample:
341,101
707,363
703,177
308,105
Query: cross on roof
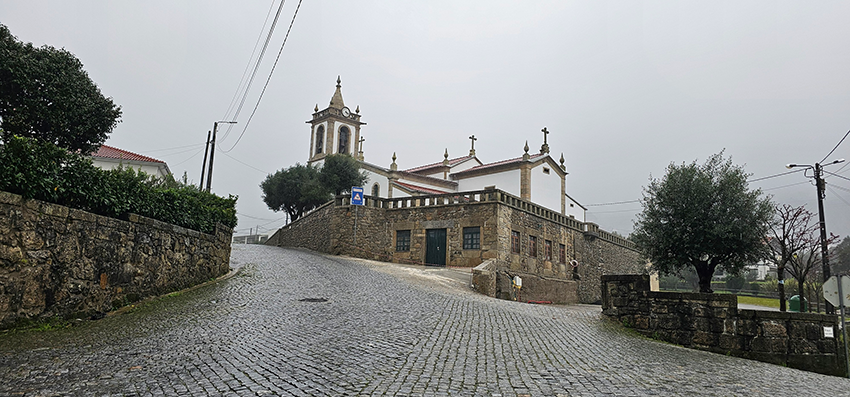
472,150
545,134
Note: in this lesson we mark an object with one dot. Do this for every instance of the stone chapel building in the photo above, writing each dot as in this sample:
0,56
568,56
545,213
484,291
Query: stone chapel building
534,177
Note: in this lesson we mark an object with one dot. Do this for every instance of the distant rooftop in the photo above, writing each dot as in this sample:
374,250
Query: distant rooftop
109,152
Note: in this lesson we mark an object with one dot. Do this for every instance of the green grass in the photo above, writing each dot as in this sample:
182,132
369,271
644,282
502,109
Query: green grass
752,300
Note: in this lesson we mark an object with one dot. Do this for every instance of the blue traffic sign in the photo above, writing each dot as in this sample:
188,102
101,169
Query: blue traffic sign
356,195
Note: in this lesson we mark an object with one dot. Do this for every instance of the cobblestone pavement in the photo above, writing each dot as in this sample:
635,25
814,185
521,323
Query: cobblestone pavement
368,328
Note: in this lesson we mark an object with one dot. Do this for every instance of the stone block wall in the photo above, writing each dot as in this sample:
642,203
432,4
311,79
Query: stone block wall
57,261
331,229
713,322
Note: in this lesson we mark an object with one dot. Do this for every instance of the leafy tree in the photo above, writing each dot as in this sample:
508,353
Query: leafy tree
702,216
340,172
295,190
46,94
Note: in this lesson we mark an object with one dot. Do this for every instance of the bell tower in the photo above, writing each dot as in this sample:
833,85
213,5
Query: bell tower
335,129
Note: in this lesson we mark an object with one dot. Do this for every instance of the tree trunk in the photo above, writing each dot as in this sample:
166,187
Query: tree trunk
704,271
780,275
800,285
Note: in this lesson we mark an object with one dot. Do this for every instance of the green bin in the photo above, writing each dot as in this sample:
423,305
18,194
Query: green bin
794,304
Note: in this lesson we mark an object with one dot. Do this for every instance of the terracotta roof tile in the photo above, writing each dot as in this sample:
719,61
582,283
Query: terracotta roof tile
419,188
110,152
533,157
452,162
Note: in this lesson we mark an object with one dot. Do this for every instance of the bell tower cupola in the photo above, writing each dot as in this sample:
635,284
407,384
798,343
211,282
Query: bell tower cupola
335,129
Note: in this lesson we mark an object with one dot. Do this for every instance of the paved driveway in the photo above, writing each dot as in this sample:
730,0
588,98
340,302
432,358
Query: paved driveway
297,323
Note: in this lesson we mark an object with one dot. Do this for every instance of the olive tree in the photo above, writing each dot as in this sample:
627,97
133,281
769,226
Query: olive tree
702,216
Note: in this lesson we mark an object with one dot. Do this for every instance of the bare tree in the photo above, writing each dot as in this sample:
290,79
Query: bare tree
807,260
790,231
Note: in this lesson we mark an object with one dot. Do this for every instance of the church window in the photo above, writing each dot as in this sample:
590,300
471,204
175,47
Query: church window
472,238
532,246
402,240
547,250
344,134
320,138
562,255
514,242
376,190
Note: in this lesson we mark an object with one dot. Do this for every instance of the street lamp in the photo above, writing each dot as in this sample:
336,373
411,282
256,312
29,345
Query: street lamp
818,167
212,151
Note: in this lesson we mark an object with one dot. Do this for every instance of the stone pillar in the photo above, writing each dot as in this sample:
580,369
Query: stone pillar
525,182
329,138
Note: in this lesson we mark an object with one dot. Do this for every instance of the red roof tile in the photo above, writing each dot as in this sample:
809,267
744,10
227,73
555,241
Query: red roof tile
110,152
419,188
533,157
452,162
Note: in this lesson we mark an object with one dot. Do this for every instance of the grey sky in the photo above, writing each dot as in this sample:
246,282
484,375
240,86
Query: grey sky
625,87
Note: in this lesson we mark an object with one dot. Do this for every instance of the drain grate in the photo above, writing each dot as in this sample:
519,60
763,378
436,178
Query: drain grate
313,300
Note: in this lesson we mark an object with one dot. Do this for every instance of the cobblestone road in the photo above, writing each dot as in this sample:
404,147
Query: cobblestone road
370,329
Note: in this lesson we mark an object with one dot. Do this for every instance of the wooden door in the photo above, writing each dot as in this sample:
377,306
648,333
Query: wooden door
435,247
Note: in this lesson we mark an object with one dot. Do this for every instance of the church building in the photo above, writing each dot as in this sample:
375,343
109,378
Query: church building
535,177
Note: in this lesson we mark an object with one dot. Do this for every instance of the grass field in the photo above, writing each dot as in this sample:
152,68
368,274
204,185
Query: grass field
752,300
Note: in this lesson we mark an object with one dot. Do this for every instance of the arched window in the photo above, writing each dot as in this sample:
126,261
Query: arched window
344,133
320,138
376,190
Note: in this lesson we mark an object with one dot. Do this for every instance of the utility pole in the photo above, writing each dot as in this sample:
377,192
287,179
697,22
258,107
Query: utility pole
212,151
821,186
830,309
204,166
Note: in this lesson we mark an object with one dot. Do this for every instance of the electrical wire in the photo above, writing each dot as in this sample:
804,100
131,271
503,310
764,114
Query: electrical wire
190,157
836,175
244,163
836,146
174,148
784,186
256,67
614,203
838,195
614,212
776,175
254,217
268,79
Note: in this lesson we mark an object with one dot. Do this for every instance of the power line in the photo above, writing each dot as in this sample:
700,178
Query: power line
614,203
838,195
190,157
269,78
254,217
774,176
256,67
784,186
836,175
244,163
174,148
836,146
613,212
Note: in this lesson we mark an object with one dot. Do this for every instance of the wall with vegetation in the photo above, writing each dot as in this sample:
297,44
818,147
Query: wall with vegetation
58,261
713,322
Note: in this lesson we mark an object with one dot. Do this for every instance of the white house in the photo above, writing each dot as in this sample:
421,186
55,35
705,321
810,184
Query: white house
108,158
536,177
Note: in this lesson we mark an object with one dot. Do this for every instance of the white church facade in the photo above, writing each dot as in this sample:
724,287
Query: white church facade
534,177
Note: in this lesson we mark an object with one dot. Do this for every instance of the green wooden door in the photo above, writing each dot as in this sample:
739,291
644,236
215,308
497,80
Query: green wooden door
435,247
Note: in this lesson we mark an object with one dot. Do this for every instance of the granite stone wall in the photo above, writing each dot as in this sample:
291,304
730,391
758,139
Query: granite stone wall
713,322
370,232
57,261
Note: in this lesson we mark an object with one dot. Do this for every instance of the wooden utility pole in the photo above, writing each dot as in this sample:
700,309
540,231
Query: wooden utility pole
204,166
212,151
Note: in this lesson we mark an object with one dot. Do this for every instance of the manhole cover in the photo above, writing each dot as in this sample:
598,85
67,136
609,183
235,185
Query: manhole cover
313,300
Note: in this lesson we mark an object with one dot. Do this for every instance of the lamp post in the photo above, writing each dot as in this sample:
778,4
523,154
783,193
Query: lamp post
821,186
212,151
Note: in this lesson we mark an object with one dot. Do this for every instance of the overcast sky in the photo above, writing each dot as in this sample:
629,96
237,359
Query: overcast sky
625,88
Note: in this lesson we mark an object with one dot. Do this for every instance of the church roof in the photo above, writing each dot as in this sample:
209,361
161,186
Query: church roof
452,163
517,160
419,189
110,152
336,100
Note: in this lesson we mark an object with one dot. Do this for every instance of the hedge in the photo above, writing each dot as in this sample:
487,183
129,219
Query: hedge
43,171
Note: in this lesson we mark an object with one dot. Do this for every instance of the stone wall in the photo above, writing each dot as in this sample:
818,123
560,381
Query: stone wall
57,261
713,322
370,232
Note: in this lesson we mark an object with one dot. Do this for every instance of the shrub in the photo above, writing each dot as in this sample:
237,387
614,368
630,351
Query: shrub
42,171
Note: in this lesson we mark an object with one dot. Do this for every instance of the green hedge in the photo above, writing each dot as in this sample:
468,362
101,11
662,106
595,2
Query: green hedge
42,171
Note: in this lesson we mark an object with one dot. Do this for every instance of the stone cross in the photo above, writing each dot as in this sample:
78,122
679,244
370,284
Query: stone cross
545,134
361,143
472,150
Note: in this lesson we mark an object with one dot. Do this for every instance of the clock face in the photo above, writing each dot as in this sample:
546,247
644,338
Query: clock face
346,112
